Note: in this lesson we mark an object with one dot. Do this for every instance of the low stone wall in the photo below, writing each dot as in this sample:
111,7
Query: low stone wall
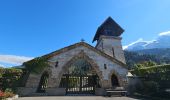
56,91
100,92
25,91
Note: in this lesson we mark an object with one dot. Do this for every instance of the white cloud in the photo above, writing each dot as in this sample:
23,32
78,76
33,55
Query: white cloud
13,59
165,33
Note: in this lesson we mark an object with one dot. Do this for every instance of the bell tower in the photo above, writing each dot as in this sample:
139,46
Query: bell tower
109,40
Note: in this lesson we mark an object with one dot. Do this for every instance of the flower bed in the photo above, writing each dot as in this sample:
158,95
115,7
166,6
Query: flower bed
4,95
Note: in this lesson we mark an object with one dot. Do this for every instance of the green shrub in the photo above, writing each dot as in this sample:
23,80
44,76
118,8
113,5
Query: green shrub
9,94
142,71
9,78
156,80
36,65
150,87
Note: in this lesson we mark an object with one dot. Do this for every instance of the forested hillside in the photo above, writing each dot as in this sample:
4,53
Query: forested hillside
162,52
133,58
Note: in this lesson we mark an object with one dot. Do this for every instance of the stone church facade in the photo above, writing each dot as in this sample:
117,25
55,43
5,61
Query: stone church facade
81,68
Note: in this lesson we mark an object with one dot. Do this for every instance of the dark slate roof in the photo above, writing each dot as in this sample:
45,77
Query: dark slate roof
108,28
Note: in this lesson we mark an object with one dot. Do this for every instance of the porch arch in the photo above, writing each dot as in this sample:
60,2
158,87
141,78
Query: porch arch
43,83
81,55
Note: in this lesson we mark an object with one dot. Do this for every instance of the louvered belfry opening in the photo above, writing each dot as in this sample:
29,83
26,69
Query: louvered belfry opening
80,78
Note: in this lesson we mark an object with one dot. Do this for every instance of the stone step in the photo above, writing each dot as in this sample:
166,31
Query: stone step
115,89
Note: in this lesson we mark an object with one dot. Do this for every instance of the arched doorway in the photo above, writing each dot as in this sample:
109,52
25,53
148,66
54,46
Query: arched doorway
43,83
114,80
80,78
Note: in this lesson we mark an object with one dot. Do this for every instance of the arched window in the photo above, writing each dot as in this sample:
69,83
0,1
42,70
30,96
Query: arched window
114,80
43,82
80,67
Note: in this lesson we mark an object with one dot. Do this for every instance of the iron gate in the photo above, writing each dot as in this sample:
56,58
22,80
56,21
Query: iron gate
79,84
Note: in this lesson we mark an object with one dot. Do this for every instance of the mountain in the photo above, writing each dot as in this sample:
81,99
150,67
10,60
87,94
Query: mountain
162,41
141,56
159,52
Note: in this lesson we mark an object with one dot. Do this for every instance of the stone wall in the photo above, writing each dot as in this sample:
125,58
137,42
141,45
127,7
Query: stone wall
25,91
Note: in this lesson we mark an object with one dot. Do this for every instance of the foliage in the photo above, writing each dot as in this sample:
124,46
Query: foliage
159,52
156,79
133,58
6,94
150,87
9,78
2,94
145,71
36,65
143,65
9,93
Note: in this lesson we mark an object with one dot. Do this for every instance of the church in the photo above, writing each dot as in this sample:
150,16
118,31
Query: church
81,68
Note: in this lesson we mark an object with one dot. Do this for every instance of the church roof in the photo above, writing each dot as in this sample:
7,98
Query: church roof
108,28
65,49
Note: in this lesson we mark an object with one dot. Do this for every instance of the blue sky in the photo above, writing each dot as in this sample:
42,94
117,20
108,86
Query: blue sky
31,28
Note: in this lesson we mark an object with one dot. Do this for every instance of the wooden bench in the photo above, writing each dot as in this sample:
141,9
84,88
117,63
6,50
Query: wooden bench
117,91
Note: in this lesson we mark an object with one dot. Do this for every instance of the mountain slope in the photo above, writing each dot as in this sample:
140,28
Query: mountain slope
133,58
159,52
163,41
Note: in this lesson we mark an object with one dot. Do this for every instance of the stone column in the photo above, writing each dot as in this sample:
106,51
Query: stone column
106,84
33,81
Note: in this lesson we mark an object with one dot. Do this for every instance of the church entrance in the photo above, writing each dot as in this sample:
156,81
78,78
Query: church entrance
80,78
79,84
114,81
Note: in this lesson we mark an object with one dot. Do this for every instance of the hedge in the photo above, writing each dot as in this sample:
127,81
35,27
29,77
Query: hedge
151,70
156,80
9,77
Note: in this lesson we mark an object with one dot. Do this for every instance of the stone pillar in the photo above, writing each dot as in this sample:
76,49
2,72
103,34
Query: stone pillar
106,84
33,81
